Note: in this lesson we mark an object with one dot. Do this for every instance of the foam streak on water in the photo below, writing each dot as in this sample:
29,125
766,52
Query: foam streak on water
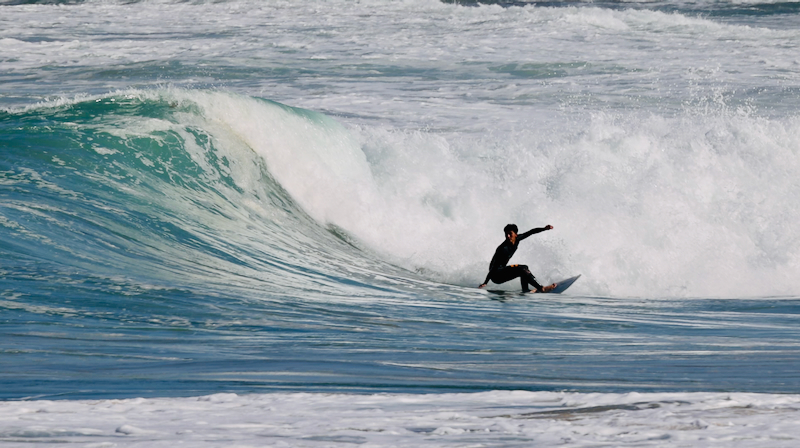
513,419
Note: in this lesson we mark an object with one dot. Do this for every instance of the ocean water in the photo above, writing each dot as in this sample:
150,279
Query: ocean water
247,223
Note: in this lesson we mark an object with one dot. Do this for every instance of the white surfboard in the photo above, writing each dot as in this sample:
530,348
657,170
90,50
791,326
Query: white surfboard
564,284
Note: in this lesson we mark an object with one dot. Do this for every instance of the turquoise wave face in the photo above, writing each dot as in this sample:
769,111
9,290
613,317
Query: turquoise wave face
86,189
125,186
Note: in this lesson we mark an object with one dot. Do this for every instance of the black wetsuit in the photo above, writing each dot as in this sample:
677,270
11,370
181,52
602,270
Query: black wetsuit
500,273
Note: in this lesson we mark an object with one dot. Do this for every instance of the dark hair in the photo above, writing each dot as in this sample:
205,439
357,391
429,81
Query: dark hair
510,227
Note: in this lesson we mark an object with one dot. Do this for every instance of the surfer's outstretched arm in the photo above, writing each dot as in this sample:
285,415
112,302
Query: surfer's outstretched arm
522,236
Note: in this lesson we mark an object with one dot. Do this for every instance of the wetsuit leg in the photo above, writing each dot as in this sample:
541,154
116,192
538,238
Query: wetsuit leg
515,270
527,278
505,274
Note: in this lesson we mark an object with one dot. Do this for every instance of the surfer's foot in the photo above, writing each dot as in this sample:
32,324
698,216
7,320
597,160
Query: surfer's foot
549,288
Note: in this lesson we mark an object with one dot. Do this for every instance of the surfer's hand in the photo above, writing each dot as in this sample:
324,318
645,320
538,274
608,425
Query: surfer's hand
548,227
481,286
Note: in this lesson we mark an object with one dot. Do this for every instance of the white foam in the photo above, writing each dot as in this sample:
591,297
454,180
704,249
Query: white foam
638,207
438,420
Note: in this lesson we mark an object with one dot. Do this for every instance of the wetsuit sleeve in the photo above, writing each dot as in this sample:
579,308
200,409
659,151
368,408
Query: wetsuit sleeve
485,282
522,236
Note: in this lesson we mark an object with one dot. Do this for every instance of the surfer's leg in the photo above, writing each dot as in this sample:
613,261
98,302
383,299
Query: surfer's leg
525,278
505,274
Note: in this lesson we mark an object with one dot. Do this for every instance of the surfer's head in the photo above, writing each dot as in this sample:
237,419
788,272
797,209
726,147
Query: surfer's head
511,231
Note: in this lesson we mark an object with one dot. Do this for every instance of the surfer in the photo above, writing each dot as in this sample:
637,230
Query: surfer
500,273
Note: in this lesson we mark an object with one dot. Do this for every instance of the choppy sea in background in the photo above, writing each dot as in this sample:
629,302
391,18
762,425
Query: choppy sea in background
247,223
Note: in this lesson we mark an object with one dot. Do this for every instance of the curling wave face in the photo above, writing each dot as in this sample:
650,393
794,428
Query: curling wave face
144,186
189,186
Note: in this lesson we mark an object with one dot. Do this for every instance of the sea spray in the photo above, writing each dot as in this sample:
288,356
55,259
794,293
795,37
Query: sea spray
692,204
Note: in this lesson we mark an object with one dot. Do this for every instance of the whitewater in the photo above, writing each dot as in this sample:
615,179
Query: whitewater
246,223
